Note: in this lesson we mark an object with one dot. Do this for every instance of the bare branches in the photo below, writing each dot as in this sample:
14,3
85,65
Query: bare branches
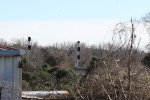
130,60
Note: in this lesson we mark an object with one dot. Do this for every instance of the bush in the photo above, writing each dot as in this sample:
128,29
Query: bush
146,60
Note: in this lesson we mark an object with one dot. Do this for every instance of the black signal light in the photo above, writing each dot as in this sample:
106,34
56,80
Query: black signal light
78,57
29,39
78,48
29,47
78,42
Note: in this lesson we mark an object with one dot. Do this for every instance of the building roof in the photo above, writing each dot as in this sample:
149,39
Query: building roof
10,51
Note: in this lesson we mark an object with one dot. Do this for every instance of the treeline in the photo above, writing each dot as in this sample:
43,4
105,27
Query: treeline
114,71
51,68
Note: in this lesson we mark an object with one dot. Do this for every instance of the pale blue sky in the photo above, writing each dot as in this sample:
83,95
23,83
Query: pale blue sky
90,21
29,10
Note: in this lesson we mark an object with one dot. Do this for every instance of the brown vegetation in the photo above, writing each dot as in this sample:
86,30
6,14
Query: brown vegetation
114,71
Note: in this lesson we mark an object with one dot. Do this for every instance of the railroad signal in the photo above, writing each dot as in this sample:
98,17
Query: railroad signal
78,57
78,54
29,39
29,44
78,49
29,47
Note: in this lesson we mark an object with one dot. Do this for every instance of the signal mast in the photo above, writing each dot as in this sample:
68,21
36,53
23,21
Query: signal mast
78,54
29,48
80,70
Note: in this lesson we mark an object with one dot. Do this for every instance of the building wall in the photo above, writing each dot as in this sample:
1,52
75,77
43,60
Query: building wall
10,78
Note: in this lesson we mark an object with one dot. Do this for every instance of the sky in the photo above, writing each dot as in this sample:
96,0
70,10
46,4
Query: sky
51,21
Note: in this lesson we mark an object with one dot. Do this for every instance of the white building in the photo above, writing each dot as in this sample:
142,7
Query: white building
10,73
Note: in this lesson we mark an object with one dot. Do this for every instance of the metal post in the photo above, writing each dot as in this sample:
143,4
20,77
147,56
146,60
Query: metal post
78,54
29,49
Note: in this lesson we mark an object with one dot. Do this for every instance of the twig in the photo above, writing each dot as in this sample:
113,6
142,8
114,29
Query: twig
106,92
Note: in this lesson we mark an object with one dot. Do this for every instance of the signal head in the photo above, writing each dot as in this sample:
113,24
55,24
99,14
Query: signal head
29,39
78,57
29,47
78,48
